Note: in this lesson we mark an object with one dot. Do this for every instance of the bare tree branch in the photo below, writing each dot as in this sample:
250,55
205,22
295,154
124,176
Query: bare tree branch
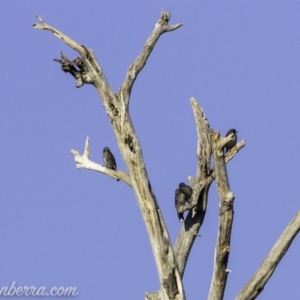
139,63
201,184
92,68
169,275
225,219
84,162
189,230
257,283
60,35
230,155
170,263
173,27
232,152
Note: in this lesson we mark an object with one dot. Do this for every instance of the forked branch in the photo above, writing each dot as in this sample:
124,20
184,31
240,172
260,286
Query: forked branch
201,184
170,264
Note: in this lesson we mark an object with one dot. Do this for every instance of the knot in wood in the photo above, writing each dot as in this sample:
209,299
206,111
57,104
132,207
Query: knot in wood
170,286
229,197
129,142
111,105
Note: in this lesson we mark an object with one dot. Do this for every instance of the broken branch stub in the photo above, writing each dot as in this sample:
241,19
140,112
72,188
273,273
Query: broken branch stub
80,73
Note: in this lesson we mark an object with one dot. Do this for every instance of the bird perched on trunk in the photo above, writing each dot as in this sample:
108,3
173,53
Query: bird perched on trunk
109,160
187,190
232,143
179,201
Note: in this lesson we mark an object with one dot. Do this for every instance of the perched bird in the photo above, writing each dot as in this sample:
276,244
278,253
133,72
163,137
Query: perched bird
109,160
179,201
187,190
232,143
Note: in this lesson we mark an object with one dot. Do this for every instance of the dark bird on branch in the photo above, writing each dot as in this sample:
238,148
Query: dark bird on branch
179,201
109,160
187,190
232,143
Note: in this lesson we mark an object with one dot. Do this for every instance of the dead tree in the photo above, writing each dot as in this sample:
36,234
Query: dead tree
170,260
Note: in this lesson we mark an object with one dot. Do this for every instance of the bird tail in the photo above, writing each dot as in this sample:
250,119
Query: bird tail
180,217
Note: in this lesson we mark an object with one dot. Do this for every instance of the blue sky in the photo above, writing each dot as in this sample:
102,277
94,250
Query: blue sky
60,226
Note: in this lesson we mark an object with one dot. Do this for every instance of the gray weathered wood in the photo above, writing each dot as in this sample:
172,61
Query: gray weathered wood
200,184
135,68
116,106
84,162
257,283
222,250
170,263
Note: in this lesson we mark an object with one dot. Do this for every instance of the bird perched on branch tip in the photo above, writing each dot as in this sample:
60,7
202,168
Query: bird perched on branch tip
231,143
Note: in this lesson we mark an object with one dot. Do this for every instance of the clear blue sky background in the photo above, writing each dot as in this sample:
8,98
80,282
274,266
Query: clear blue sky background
60,226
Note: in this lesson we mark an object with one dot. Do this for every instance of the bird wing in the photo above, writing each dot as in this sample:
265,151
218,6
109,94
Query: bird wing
114,161
179,200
